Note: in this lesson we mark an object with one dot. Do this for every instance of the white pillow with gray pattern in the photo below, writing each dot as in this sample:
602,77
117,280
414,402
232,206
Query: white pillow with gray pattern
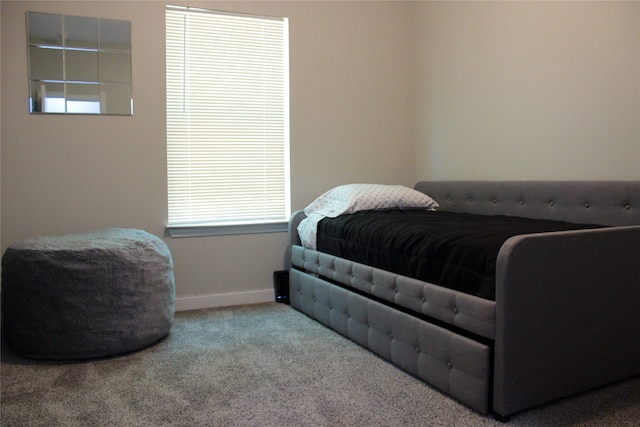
352,198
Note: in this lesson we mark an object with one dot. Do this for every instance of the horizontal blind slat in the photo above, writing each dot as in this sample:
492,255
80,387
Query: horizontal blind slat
227,118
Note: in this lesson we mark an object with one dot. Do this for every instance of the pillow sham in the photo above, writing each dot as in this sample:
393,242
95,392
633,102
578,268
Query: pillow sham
352,198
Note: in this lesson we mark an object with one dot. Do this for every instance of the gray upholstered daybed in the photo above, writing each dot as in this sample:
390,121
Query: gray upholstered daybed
566,313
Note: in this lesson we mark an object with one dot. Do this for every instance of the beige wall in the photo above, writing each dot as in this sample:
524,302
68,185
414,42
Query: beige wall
528,90
386,92
351,120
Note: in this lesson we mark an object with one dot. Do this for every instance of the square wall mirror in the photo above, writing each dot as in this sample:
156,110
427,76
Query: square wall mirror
79,65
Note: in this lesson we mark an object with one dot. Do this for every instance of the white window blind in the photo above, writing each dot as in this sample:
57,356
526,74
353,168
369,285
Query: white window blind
227,118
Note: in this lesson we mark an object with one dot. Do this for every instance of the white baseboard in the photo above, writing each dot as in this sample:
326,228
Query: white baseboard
199,302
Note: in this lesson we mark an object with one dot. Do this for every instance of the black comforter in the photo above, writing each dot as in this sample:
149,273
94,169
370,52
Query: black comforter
454,250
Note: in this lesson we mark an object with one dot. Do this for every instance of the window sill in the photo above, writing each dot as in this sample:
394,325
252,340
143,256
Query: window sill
178,231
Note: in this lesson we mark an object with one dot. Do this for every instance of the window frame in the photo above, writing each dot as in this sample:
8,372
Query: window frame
233,226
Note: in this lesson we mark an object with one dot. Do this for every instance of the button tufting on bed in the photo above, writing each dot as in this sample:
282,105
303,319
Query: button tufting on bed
422,297
604,197
403,340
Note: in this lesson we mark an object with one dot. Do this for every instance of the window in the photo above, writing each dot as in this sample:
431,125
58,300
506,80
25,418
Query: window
227,122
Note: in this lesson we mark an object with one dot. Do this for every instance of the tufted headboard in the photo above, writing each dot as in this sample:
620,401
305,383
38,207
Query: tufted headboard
615,203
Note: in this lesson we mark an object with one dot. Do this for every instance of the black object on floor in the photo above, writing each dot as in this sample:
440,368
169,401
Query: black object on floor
281,286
